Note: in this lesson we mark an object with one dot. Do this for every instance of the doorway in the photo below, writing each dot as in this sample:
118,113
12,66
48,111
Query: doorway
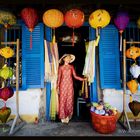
63,38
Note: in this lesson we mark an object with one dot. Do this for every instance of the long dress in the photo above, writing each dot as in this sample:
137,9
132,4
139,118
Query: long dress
66,90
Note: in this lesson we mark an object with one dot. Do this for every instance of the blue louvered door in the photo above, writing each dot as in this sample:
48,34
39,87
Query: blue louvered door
33,59
109,58
93,86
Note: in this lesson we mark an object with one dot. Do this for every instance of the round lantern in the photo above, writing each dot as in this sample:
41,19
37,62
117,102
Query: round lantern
74,18
6,93
6,52
7,18
121,21
6,72
4,114
53,18
133,52
133,86
99,18
30,17
135,70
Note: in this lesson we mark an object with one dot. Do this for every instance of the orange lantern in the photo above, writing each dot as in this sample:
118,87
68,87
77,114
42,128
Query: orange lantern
133,52
133,86
74,18
53,18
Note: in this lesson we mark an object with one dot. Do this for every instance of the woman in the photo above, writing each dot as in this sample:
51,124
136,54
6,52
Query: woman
65,86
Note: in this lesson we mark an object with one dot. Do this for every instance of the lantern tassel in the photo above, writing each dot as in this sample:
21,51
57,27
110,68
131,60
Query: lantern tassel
73,38
121,31
53,39
31,40
130,98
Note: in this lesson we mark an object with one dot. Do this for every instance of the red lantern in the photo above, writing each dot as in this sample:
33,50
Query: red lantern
30,17
6,93
74,18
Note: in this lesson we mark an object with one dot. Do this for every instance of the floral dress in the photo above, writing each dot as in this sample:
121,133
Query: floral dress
66,90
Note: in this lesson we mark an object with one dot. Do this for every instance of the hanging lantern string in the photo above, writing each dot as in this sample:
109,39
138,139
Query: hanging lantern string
31,41
121,31
31,30
53,38
73,37
98,31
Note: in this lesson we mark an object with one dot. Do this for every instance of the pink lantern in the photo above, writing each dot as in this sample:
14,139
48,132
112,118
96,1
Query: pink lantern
121,21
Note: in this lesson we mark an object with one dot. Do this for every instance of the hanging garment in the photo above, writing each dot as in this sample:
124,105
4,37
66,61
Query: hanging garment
47,63
54,104
135,70
89,67
66,90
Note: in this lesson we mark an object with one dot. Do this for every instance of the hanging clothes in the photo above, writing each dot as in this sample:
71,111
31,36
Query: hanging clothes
47,63
54,105
89,67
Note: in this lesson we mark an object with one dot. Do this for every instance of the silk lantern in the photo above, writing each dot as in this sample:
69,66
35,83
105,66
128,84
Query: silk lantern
6,93
74,18
133,86
53,18
121,21
99,19
30,17
7,18
133,52
135,70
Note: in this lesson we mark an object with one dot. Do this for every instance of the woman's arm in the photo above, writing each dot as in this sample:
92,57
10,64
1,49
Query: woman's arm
75,75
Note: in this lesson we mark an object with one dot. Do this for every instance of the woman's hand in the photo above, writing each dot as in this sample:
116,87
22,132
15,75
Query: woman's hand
85,79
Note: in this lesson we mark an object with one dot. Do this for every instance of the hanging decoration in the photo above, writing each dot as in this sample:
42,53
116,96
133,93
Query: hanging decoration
53,18
135,70
4,114
6,52
134,107
133,86
7,18
30,17
6,93
121,21
99,19
74,18
133,52
6,72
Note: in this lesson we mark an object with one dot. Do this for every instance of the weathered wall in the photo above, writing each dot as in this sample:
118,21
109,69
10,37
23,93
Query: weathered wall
31,104
115,98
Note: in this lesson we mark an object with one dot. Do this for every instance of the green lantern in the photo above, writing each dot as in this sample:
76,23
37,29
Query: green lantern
6,72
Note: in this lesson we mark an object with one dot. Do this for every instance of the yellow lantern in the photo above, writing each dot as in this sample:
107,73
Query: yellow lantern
53,18
99,18
6,52
133,86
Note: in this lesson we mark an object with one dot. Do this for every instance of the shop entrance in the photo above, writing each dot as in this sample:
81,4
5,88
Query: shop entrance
63,38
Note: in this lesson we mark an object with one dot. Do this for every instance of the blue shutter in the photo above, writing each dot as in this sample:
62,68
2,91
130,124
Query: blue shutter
33,59
93,86
109,58
48,33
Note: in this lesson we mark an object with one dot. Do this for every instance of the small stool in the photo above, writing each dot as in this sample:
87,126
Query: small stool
79,101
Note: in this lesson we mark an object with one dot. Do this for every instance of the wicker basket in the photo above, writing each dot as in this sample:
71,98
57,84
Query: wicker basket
104,124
